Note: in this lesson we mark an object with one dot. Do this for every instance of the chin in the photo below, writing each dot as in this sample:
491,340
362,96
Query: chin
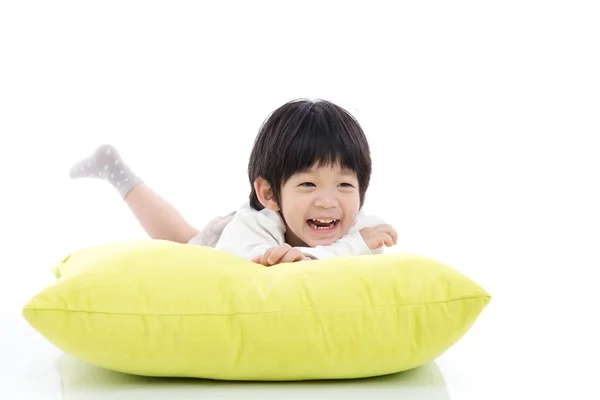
322,242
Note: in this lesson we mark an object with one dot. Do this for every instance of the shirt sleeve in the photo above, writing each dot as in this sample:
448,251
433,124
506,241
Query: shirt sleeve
251,233
352,244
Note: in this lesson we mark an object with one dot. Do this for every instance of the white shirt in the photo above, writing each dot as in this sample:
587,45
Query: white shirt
252,232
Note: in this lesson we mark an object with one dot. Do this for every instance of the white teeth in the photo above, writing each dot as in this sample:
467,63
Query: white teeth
330,223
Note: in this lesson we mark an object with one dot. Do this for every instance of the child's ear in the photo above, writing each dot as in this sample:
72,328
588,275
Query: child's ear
265,194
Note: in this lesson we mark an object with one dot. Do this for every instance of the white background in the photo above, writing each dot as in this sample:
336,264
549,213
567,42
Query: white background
483,120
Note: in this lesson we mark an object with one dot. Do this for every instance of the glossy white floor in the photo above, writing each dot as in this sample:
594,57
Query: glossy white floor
482,122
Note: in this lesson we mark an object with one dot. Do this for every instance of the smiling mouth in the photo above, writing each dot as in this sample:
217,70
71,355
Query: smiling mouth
324,225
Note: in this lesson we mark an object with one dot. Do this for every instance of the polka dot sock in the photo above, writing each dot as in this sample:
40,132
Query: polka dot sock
106,163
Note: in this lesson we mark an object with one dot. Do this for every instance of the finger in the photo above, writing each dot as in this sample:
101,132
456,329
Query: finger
385,240
265,257
394,235
277,254
389,229
292,255
257,259
388,240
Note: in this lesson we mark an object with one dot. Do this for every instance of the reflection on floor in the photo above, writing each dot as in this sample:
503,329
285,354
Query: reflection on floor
81,381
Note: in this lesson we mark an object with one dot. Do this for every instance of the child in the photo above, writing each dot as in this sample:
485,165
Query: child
309,171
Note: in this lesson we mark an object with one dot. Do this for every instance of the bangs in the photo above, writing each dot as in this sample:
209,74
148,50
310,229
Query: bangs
321,141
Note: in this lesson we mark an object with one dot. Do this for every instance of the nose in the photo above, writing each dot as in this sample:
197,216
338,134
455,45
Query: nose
326,199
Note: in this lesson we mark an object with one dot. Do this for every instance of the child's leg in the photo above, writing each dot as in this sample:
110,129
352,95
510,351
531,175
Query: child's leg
158,218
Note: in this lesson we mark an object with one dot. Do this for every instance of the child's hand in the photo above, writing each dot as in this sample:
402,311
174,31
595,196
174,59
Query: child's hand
280,254
379,235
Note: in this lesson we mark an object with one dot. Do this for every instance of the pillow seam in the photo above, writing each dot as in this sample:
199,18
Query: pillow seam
257,312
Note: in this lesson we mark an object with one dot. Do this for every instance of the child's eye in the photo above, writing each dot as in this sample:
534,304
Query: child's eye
307,184
346,184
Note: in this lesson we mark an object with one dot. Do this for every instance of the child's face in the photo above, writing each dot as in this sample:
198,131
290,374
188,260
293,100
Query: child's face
319,206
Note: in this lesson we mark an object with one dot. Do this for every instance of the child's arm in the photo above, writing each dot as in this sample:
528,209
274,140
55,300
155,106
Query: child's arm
251,234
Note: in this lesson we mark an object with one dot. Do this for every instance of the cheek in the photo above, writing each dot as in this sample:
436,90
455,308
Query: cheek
351,213
291,212
351,208
294,212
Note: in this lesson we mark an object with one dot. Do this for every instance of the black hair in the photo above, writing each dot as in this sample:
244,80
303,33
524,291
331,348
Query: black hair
305,133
